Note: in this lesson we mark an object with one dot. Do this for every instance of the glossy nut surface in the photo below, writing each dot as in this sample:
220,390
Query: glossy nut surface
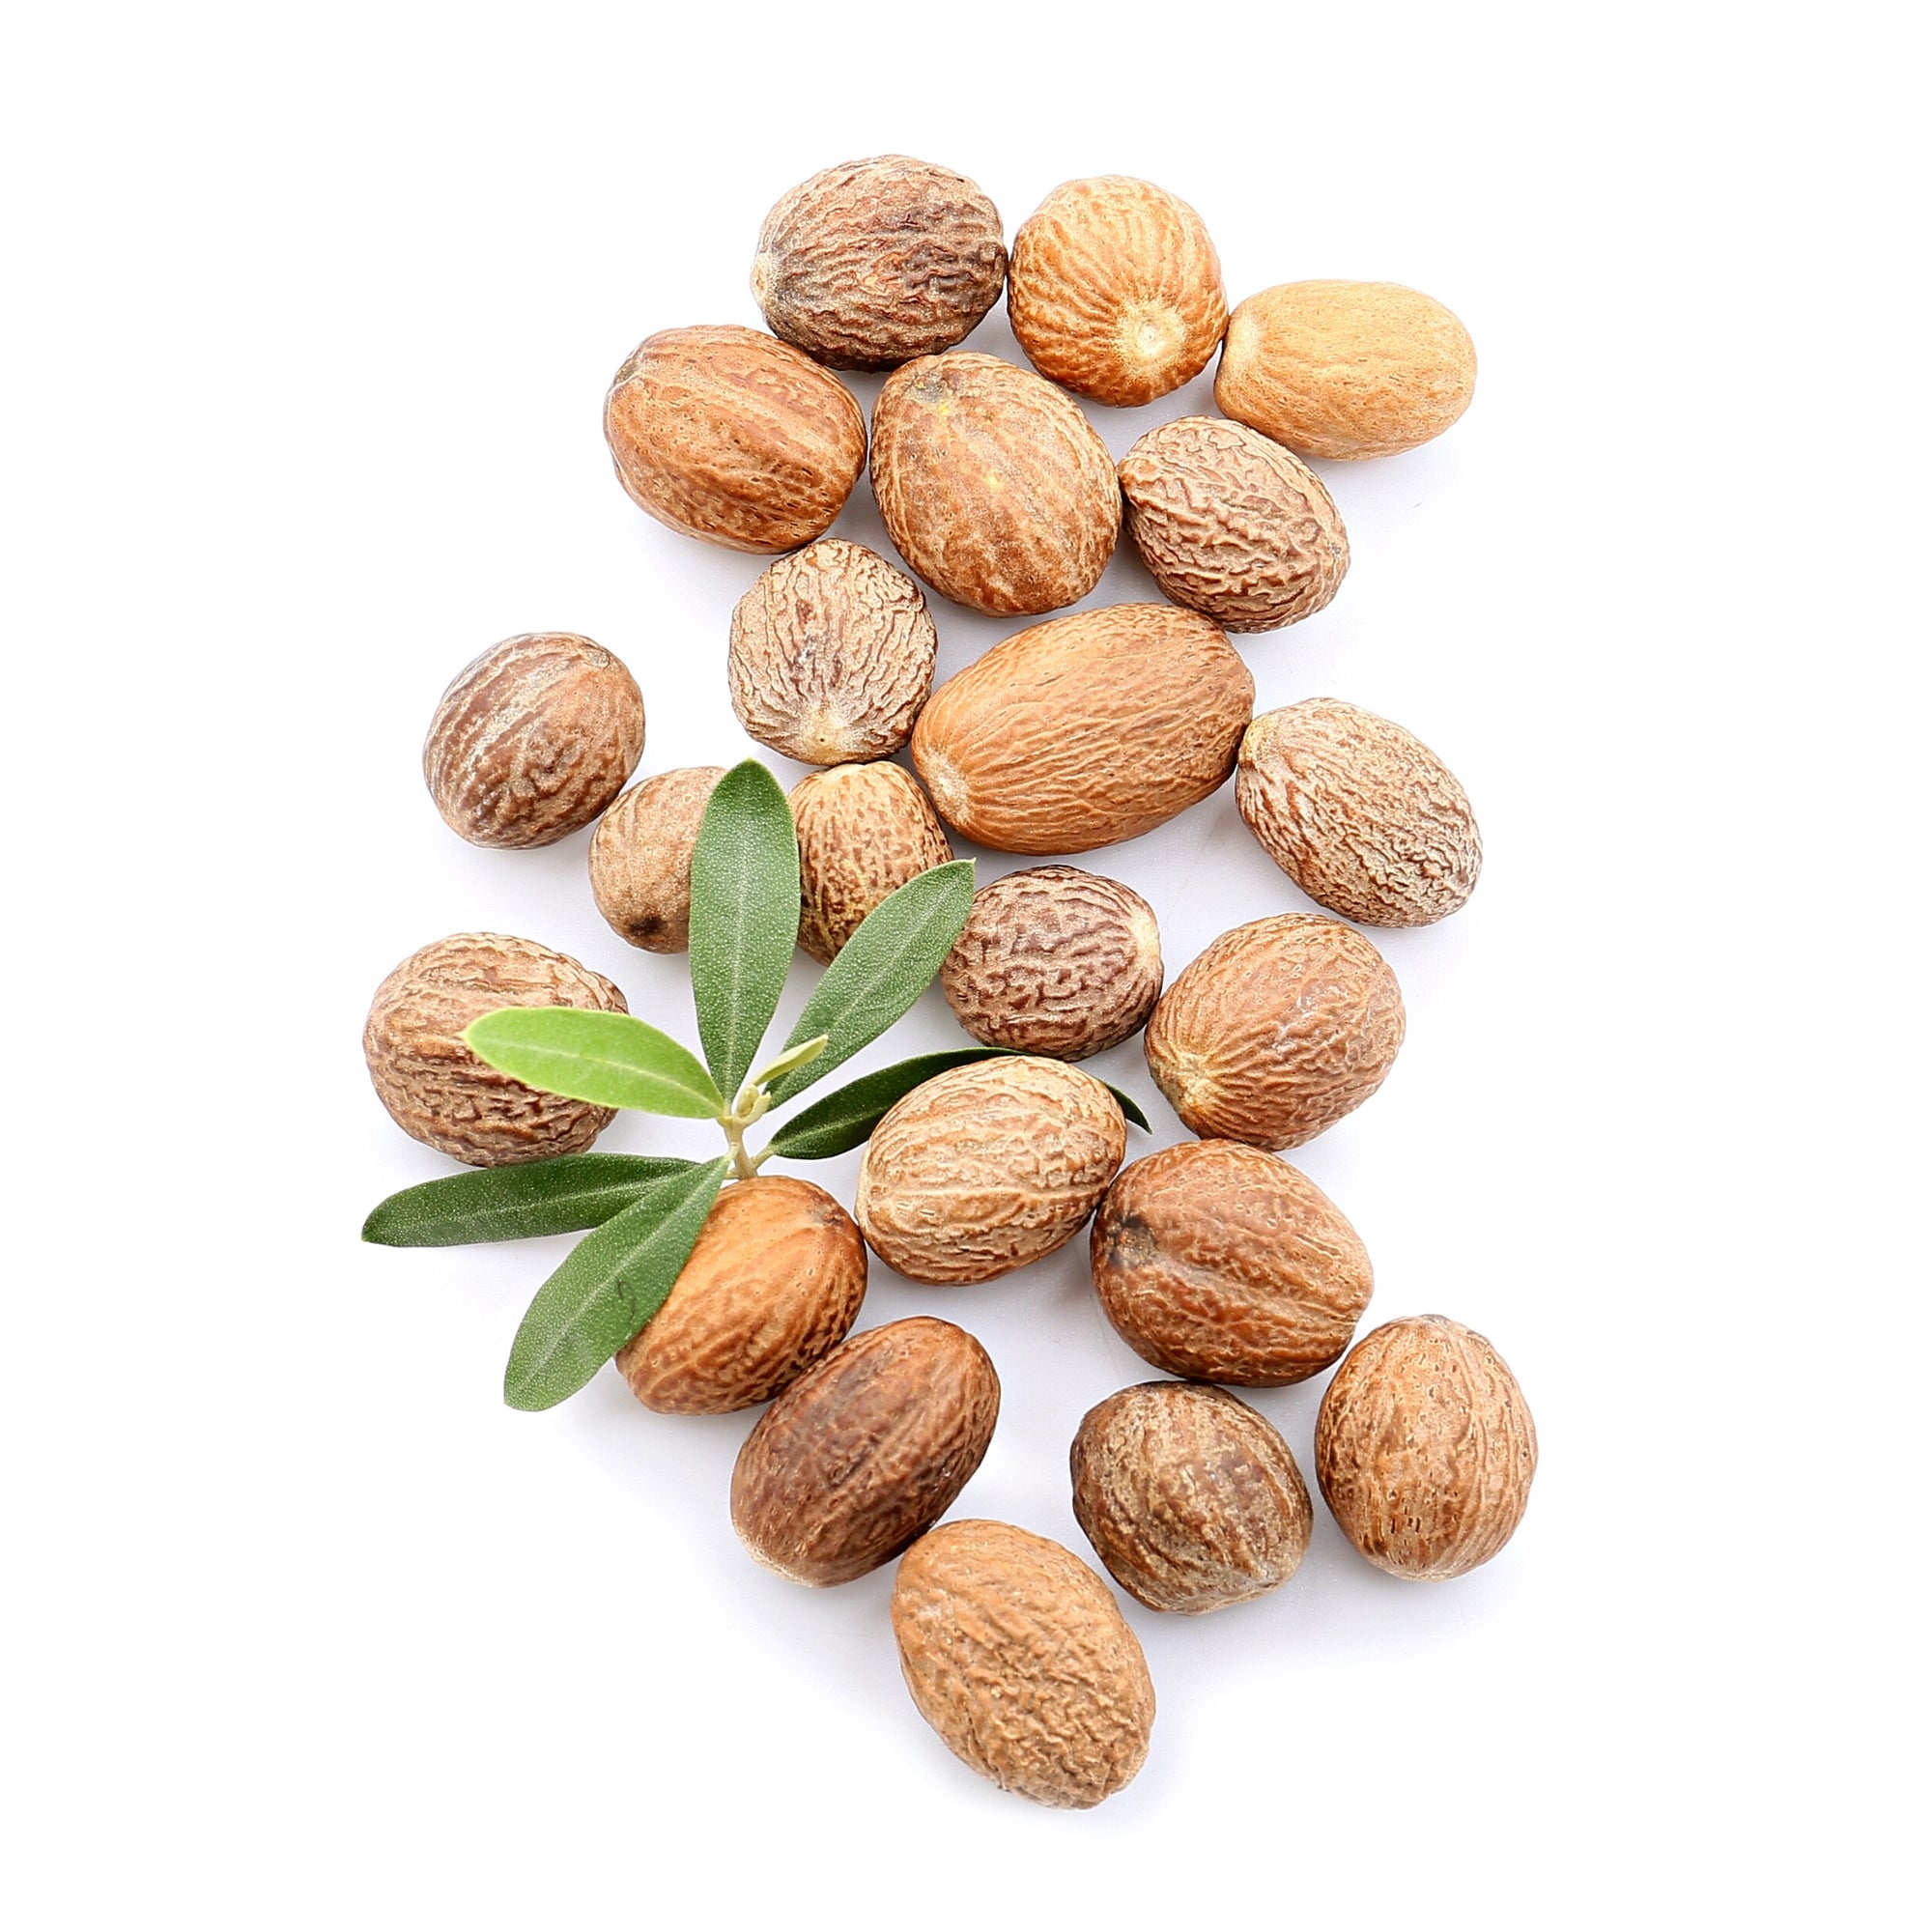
641,857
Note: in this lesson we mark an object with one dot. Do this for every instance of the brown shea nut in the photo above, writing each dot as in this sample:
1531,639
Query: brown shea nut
872,262
533,740
1189,1497
1425,1448
1346,369
987,1167
1279,1029
1085,730
725,434
1232,525
863,832
641,857
1116,290
1017,1654
832,655
993,484
866,1451
771,1286
1054,961
1219,1262
437,1091
1362,815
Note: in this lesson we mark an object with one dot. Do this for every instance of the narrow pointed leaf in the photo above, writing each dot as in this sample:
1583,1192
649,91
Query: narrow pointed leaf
511,1203
610,1060
793,1056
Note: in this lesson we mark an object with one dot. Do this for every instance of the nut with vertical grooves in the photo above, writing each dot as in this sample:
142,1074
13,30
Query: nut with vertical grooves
641,857
864,830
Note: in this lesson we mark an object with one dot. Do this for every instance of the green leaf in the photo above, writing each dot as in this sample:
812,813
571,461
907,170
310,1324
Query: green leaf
611,1283
1129,1106
510,1204
744,917
610,1060
793,1056
882,968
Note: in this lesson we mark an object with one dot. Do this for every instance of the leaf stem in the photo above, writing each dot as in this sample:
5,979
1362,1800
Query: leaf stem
751,1104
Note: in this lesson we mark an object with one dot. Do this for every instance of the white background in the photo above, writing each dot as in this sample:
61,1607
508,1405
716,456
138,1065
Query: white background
311,315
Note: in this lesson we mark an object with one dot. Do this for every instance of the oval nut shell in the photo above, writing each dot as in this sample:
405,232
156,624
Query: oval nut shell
641,857
864,830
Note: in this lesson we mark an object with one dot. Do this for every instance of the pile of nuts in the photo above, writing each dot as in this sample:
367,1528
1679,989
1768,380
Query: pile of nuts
1217,1262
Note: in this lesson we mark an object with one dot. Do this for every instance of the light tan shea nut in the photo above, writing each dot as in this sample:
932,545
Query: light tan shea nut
1116,290
1346,369
1086,730
728,435
866,1451
641,857
1017,1654
533,740
436,1090
987,1167
872,262
863,832
1218,1260
832,655
771,1286
1232,525
1279,1029
1362,815
1054,961
993,485
1425,1448
1190,1498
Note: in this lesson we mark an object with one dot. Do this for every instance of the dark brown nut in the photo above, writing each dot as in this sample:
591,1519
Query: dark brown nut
872,262
436,1090
1055,961
728,435
866,1451
993,485
863,832
1279,1029
533,740
832,655
641,857
1425,1448
1218,1260
771,1286
1362,815
1017,1654
1191,1500
1116,290
1232,525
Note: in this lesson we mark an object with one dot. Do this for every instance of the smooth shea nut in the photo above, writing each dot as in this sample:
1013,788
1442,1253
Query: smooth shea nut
864,830
641,857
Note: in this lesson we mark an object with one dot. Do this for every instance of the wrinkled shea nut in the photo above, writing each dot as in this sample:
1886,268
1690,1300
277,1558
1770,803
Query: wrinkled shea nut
1190,1498
436,1090
863,832
832,655
641,857
1017,1654
1425,1448
872,262
1218,1260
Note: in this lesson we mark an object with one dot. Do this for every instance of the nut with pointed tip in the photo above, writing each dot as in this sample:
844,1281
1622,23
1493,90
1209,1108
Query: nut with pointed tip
641,857
864,830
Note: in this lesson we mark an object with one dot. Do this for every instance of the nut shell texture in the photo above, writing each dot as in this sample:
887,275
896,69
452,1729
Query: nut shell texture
1425,1448
1279,1029
1017,1654
641,857
728,435
863,832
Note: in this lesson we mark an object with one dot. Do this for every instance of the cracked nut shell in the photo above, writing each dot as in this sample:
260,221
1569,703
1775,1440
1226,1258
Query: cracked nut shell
641,857
863,832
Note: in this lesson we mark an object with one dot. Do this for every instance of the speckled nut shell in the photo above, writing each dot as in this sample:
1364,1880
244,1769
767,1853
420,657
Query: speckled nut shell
863,832
1218,1260
1190,1498
1054,961
1279,1029
1364,817
993,485
872,262
533,740
1232,525
641,857
1116,290
832,655
1346,369
866,1451
1017,1654
987,1167
436,1090
1425,1448
728,434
